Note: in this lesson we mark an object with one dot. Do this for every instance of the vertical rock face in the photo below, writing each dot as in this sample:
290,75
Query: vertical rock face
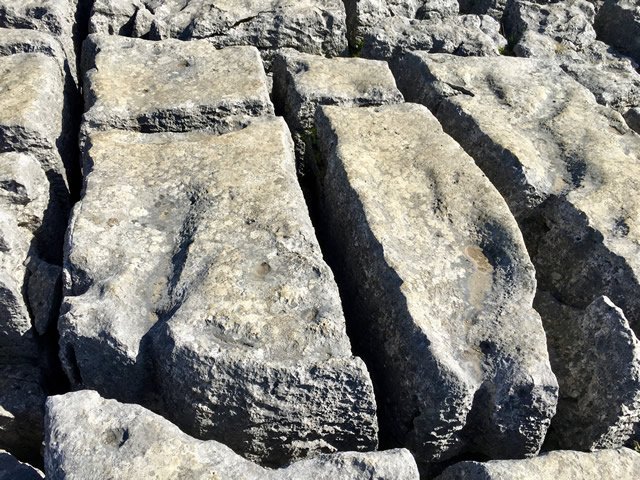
171,85
623,464
303,82
596,357
312,26
382,30
568,169
442,287
618,23
12,469
90,437
205,265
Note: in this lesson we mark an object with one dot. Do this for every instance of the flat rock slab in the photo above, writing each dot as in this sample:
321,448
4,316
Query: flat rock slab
12,469
171,85
596,357
568,167
441,286
312,26
622,464
302,82
205,262
90,437
618,23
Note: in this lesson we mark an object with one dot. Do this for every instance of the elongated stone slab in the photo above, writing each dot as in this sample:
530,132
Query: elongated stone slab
90,437
205,265
171,85
568,167
623,464
312,26
302,82
440,286
596,357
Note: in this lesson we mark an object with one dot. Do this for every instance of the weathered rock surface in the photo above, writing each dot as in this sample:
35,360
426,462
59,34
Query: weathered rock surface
567,166
171,85
622,464
618,23
205,265
596,357
382,30
302,82
441,287
312,26
24,278
12,469
563,32
90,437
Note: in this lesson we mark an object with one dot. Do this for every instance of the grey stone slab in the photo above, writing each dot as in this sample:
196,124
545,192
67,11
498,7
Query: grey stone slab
303,82
567,166
312,26
90,437
204,265
171,85
12,469
439,284
622,464
596,357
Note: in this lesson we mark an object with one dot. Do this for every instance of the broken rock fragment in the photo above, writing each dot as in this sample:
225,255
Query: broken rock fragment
440,287
618,24
90,437
12,469
622,464
206,267
171,85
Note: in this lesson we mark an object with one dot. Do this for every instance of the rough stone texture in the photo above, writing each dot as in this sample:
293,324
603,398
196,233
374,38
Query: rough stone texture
90,437
441,287
24,197
35,113
618,23
12,469
563,32
382,30
568,167
205,262
302,82
171,85
312,26
621,464
494,8
596,357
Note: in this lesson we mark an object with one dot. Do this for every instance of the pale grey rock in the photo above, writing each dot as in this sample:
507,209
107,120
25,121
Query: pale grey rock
302,82
381,30
568,167
440,288
618,23
35,115
596,357
171,85
204,273
24,196
12,469
90,437
621,464
494,8
312,26
563,32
